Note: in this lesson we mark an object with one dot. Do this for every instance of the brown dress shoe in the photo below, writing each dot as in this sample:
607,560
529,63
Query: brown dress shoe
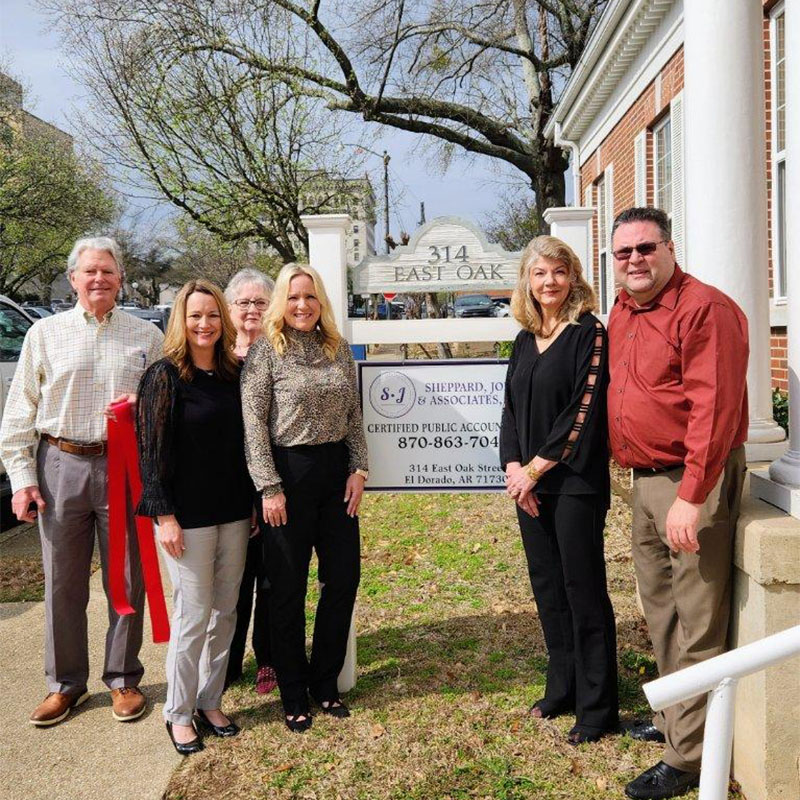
127,704
55,707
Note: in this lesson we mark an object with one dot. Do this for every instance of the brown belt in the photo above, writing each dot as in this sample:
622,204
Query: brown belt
76,448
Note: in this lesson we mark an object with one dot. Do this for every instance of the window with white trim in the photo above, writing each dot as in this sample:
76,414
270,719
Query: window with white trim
662,165
778,58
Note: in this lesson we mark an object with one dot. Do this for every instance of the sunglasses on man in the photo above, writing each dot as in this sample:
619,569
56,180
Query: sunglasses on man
643,249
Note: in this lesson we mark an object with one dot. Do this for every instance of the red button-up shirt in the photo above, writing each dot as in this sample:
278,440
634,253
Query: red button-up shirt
678,391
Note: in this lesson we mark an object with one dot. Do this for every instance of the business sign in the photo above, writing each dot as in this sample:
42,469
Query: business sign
448,254
433,425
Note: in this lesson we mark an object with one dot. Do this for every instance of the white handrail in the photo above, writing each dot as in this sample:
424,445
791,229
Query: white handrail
719,676
706,675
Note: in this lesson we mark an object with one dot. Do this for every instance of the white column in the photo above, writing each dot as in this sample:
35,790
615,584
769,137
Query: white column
573,225
786,470
327,253
726,183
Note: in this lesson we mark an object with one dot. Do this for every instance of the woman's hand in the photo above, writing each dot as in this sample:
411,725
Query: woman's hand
170,535
353,492
253,524
274,508
518,483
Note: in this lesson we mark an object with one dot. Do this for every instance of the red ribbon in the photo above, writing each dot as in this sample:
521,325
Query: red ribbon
123,472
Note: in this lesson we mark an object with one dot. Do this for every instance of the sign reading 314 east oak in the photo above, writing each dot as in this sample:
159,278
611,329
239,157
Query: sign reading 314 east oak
433,425
448,254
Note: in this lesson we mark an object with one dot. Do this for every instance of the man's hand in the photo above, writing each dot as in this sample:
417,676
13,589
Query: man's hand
682,526
353,491
22,499
170,534
130,398
275,509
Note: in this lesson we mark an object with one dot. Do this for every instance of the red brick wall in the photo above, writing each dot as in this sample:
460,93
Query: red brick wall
618,149
780,368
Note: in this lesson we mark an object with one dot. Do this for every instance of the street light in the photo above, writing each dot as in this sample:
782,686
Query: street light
386,158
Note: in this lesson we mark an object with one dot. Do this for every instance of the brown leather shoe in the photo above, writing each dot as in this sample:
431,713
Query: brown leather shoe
127,704
55,707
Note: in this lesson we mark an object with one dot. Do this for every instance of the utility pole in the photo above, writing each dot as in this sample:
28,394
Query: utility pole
386,197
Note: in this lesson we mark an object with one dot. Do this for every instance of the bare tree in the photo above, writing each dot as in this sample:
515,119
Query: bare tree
478,76
239,155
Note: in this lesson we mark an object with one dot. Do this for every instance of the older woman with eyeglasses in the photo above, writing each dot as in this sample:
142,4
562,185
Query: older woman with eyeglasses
248,294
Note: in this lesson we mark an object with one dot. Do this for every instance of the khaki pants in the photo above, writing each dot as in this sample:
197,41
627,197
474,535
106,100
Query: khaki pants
205,588
686,596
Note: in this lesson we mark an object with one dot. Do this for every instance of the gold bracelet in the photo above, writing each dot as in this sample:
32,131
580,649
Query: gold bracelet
534,474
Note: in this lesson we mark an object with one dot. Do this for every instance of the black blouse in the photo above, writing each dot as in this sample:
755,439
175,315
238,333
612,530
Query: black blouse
191,448
555,407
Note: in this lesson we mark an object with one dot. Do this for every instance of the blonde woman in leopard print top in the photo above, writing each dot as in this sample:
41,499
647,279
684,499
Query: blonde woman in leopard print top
307,456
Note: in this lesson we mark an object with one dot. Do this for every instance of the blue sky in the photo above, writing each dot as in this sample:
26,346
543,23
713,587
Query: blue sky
469,190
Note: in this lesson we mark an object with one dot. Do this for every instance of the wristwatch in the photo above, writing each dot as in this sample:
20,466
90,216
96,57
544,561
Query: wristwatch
363,473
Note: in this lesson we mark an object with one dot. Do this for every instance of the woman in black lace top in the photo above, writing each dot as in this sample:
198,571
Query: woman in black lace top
196,487
307,456
553,447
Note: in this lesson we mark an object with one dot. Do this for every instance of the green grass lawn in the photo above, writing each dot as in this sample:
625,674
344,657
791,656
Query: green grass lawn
450,656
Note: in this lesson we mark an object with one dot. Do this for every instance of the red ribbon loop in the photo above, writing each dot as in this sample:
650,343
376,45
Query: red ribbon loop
124,489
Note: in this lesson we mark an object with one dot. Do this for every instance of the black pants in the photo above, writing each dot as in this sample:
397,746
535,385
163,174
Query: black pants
313,478
253,578
564,549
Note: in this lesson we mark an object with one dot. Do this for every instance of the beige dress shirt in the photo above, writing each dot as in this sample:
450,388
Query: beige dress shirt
70,368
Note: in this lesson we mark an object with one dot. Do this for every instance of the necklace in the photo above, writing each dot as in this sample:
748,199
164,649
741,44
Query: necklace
543,335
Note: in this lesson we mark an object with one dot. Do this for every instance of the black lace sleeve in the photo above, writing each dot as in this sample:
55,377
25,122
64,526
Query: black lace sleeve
155,424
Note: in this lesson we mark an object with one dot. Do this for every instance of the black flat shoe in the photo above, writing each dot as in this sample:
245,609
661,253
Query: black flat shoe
185,748
297,725
646,732
580,735
662,781
334,708
231,729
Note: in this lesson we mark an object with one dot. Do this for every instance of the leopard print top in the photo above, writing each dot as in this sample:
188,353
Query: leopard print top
299,398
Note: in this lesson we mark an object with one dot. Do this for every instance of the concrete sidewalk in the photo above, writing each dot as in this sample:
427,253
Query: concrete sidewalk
89,756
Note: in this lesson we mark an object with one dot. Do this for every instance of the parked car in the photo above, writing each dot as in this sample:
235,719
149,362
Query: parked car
37,311
150,314
14,324
57,306
502,306
398,310
474,305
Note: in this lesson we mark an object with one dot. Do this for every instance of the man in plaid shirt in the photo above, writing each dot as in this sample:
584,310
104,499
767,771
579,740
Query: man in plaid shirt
73,367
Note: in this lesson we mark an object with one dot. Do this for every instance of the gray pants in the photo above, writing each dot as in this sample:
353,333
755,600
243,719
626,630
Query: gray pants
75,489
205,589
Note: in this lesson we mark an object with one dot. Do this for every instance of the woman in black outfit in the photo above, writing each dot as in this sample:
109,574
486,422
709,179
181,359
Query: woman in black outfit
308,457
553,447
196,486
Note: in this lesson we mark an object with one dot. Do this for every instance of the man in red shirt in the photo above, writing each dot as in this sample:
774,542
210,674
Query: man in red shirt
678,416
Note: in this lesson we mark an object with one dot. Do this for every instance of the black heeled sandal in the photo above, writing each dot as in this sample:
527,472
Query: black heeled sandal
580,735
297,725
185,748
335,708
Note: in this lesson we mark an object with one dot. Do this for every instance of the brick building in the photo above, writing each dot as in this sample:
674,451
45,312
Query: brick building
623,115
694,106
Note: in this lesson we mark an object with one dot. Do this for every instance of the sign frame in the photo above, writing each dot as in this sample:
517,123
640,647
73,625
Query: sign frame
394,365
